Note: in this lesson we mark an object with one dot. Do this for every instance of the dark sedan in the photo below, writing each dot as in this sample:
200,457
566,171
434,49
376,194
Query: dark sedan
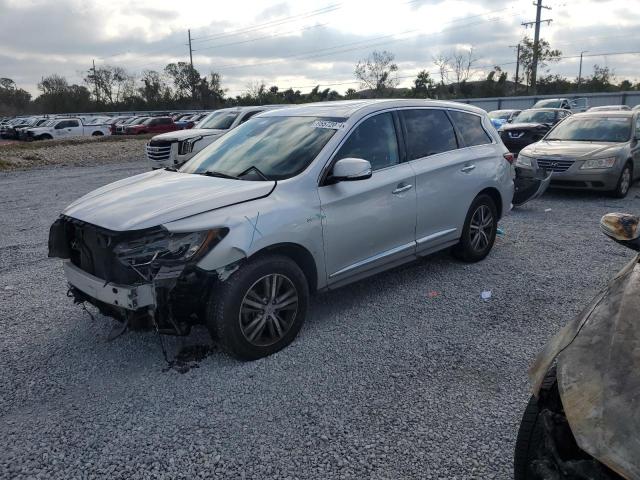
530,126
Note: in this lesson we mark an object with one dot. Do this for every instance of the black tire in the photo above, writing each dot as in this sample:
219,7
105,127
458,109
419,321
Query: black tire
466,250
223,313
624,184
97,134
45,136
530,434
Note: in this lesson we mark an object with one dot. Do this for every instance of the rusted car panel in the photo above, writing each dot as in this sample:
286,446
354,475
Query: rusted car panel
598,360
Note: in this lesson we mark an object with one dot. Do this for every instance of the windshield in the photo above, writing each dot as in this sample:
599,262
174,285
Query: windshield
535,116
601,129
279,147
548,104
219,120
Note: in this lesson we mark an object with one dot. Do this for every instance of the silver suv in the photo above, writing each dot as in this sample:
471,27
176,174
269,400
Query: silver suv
294,201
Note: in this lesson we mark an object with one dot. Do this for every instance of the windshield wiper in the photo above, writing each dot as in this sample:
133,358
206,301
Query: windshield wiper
255,169
211,173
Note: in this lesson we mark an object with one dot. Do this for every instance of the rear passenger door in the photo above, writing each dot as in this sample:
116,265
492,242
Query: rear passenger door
448,172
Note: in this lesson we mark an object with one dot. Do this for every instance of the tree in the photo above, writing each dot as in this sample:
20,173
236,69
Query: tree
545,56
377,72
460,62
351,93
423,86
154,90
209,91
442,62
185,79
601,80
12,99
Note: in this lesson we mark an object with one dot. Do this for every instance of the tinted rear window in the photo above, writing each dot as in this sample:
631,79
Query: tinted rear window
470,127
428,132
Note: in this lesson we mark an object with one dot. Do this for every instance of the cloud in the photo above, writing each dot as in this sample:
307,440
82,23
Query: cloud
40,38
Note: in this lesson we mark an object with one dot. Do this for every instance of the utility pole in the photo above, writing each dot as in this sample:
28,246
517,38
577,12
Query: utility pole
515,86
95,82
580,70
536,41
193,87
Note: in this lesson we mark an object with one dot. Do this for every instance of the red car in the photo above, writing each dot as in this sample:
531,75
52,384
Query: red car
152,125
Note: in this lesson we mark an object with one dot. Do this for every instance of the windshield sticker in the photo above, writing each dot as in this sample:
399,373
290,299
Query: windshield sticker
328,124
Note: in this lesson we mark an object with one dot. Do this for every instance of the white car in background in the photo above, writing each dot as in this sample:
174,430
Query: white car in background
173,149
67,127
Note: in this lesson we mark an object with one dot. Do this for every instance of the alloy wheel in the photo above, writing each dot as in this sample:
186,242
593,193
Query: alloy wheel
268,309
625,181
481,227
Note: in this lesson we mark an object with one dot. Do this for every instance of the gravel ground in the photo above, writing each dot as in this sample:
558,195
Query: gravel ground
406,375
79,151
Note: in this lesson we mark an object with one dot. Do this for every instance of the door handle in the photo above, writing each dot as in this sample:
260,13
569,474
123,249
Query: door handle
467,168
402,187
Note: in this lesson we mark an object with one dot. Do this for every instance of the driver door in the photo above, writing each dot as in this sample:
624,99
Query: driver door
369,225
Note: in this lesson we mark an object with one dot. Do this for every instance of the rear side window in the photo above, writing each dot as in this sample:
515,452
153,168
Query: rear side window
470,127
428,132
373,140
248,116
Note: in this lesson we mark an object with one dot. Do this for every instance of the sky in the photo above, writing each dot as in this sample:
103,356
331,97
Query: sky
303,43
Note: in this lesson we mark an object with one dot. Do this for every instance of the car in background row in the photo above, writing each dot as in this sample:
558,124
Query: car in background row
175,148
66,127
152,125
609,108
575,105
500,117
189,121
530,126
591,150
300,199
120,127
13,131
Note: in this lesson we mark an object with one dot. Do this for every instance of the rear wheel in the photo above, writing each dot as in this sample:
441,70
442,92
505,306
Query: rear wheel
45,136
97,134
624,182
260,309
479,231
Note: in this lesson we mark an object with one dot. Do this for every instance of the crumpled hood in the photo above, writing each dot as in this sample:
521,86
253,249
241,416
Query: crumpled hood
158,197
598,370
190,133
572,149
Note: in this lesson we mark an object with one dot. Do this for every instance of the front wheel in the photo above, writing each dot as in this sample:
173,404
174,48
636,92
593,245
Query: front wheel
479,231
260,308
624,182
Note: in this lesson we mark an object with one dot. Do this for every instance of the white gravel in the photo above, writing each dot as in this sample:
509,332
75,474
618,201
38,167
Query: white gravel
409,374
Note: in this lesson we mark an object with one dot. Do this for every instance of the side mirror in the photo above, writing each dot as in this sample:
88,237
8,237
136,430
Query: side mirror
623,228
350,169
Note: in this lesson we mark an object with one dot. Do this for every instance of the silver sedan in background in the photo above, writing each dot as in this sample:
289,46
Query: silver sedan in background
592,150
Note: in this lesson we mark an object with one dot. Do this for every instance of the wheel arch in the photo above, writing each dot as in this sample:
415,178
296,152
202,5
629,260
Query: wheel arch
495,195
300,255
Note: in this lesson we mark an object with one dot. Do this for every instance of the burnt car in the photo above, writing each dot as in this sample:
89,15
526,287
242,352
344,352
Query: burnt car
530,126
582,421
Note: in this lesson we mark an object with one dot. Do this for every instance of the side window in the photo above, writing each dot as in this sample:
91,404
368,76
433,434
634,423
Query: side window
72,123
61,125
470,127
638,126
428,132
373,140
248,116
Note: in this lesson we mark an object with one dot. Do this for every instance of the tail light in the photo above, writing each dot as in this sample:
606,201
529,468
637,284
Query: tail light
509,157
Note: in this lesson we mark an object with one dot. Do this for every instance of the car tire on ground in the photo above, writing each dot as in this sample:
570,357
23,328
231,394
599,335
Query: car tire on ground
479,231
97,134
624,182
260,308
45,136
530,434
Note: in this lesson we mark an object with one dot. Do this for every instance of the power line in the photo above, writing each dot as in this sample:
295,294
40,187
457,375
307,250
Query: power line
240,31
262,38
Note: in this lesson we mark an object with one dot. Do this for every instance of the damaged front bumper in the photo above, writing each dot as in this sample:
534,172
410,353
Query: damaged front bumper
123,296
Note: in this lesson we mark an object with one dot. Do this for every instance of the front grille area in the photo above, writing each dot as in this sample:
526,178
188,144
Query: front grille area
554,165
158,151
